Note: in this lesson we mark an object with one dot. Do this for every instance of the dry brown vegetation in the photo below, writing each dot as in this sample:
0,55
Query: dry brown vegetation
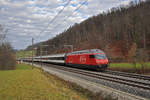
7,58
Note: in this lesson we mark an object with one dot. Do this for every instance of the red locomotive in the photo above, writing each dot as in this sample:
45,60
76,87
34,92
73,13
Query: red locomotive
93,59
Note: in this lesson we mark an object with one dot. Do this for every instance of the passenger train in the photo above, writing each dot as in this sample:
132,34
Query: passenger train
92,59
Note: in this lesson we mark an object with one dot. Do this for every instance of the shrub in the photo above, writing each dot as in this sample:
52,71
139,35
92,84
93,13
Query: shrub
7,57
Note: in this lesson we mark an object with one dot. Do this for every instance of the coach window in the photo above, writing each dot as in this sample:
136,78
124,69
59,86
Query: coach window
92,56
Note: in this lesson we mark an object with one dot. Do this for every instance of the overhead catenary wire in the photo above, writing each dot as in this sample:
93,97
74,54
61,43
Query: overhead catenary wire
52,20
71,14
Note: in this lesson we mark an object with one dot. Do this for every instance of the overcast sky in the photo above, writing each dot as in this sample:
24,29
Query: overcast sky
25,19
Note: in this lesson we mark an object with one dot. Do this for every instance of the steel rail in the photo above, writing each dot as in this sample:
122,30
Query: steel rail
145,86
137,76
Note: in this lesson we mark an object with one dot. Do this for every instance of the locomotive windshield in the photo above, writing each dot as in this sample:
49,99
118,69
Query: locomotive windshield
100,56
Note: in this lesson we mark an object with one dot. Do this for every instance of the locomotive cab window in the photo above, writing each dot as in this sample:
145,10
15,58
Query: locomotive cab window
92,56
100,56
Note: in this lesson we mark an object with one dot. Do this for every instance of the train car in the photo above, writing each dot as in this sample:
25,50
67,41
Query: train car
26,59
54,59
93,59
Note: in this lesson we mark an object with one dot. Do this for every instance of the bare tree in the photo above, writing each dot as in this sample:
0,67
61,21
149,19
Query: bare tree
7,58
2,35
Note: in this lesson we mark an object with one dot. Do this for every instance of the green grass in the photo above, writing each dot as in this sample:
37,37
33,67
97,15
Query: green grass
23,67
24,54
27,84
128,65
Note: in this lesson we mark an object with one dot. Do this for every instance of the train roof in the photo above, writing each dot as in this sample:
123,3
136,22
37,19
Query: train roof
54,55
87,51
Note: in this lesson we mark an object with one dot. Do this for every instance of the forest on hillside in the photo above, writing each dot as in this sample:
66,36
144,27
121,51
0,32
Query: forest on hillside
120,32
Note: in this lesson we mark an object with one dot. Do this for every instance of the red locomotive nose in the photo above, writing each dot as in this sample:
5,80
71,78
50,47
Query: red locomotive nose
102,61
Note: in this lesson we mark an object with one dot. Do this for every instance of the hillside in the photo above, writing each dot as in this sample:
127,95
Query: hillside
119,32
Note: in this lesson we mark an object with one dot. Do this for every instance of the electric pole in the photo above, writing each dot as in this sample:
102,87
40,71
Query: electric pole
32,52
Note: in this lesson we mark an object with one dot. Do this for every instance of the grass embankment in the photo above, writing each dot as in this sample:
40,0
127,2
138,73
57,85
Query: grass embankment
27,84
130,67
24,54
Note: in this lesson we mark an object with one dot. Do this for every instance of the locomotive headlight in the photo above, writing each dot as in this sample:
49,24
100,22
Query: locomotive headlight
101,61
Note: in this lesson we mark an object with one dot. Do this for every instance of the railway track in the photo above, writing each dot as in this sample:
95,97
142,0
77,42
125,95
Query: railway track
131,75
109,77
